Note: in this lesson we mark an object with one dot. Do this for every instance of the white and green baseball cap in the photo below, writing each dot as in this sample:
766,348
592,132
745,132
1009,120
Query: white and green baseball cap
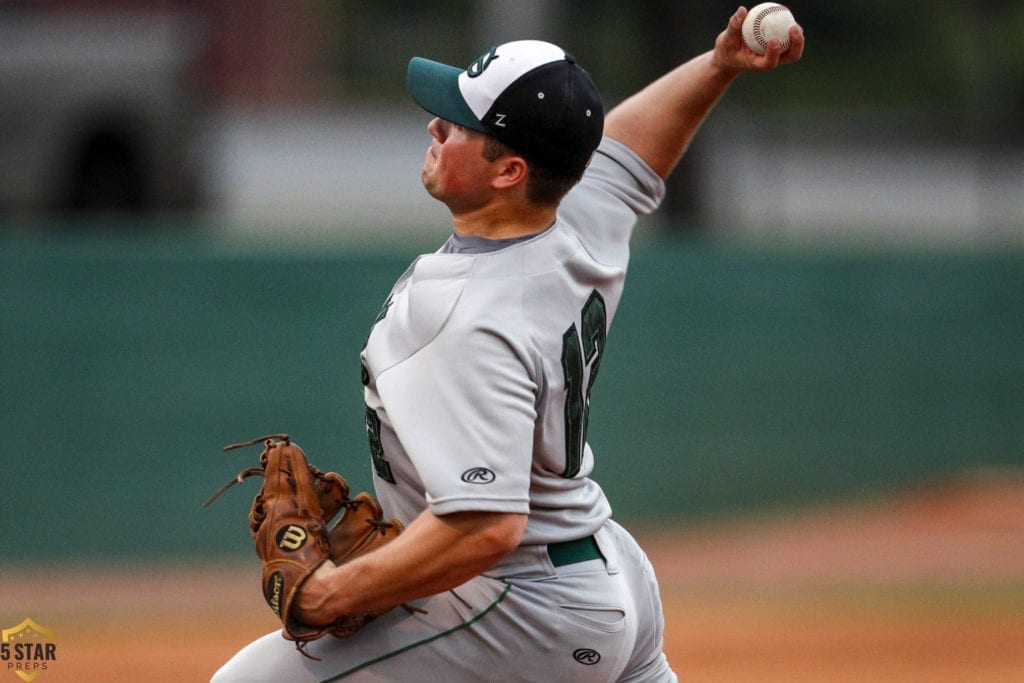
529,94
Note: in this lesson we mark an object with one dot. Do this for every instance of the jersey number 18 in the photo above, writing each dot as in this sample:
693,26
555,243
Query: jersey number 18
580,352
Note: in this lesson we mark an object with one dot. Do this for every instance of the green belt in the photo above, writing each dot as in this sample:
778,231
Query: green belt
570,552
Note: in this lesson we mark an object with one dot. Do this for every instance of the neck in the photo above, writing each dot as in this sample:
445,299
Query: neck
496,223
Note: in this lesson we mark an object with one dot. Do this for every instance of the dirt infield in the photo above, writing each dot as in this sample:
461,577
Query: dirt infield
927,586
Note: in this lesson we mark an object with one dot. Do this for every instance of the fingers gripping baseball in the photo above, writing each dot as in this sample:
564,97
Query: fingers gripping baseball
732,52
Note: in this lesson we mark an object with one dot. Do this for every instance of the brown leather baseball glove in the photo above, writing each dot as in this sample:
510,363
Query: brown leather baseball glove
289,521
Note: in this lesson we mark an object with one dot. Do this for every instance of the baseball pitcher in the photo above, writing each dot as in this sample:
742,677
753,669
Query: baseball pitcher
478,374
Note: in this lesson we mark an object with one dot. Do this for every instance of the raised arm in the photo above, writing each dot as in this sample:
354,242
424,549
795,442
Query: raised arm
659,121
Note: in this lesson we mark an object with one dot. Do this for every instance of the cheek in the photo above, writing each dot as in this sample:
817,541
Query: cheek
459,171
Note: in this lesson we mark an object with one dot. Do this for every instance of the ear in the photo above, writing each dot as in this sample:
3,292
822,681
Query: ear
512,170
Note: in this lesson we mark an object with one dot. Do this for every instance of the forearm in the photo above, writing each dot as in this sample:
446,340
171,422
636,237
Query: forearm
659,121
432,555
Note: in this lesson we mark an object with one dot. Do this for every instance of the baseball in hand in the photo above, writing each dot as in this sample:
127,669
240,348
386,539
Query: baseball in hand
765,22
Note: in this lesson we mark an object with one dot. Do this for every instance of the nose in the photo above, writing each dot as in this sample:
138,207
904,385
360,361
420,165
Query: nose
437,128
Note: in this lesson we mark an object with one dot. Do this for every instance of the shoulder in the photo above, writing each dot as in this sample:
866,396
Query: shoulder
618,170
603,207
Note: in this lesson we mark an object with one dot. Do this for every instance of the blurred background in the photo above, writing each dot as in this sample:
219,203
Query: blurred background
203,205
292,118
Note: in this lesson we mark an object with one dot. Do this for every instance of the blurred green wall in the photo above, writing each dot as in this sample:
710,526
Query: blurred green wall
735,380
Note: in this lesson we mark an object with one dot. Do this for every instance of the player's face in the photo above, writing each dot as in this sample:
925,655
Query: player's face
454,169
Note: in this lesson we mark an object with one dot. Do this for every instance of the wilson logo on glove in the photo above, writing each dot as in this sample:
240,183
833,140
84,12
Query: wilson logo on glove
274,586
290,521
291,538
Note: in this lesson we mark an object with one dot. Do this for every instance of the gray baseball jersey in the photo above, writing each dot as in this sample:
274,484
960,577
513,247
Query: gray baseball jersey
479,368
477,379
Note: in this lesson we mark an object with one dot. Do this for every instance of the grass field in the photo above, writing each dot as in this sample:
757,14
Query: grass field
925,586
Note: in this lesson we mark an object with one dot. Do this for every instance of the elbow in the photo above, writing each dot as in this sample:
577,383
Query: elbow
476,541
498,539
515,526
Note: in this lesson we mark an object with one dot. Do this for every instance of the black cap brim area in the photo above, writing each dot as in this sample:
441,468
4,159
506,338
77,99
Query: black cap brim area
435,87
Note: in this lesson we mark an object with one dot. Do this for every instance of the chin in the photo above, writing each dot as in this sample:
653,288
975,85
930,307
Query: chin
429,185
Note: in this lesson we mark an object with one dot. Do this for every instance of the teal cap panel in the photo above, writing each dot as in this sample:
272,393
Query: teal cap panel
435,87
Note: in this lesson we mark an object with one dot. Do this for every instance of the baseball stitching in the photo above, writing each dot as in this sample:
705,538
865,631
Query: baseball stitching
758,34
